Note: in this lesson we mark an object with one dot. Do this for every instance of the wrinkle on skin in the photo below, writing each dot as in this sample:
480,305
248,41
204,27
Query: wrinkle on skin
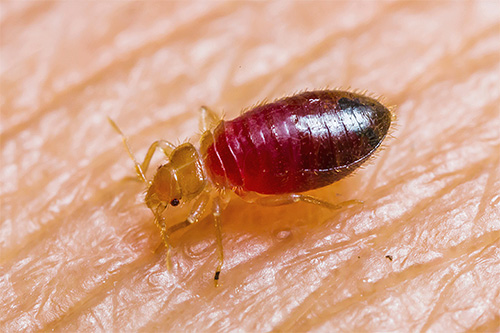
78,246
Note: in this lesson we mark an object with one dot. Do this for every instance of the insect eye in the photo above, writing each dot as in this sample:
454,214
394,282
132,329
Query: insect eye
174,202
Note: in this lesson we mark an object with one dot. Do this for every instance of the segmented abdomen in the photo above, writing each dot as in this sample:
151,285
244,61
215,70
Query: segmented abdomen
297,143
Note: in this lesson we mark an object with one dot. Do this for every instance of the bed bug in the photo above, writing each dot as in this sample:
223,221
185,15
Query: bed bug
268,155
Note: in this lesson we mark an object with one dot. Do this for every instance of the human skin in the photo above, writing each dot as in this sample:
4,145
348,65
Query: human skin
79,249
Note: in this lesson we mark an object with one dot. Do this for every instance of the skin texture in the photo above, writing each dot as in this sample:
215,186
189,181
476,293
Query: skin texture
79,250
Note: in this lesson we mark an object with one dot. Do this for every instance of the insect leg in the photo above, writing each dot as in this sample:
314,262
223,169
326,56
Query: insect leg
163,145
216,213
208,119
329,205
160,223
196,211
279,200
141,169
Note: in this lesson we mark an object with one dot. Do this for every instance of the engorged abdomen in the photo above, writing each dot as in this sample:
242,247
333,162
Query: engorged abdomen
296,144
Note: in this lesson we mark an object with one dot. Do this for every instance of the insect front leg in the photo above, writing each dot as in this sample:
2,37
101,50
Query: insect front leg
141,169
286,199
196,211
166,147
160,223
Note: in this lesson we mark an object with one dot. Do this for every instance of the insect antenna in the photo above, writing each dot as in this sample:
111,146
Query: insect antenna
138,168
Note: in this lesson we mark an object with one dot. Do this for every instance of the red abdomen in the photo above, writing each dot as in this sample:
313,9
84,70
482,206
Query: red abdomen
298,143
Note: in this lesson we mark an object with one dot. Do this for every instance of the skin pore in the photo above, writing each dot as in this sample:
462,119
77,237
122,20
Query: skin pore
79,248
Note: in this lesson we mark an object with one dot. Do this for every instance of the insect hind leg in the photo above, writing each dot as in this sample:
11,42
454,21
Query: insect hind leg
280,200
209,119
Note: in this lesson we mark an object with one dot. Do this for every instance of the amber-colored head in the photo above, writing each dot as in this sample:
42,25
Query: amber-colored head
164,189
179,180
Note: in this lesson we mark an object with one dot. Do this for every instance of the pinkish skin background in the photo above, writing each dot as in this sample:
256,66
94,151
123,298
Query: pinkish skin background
78,245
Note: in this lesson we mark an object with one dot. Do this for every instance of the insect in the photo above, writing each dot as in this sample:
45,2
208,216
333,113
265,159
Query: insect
268,156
